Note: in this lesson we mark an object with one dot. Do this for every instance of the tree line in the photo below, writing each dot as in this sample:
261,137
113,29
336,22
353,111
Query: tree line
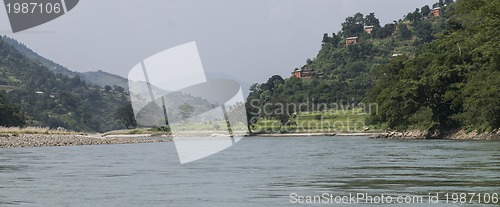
425,72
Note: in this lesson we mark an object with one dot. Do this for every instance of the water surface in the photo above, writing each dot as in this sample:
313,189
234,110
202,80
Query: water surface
255,172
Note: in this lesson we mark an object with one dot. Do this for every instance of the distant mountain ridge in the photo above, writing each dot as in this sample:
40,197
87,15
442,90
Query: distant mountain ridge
99,78
38,96
32,55
102,78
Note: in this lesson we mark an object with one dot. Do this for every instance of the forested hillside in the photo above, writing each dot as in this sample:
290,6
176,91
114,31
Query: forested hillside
36,96
453,82
99,78
436,68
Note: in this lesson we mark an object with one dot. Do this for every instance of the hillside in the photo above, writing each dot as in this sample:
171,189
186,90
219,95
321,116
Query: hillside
35,57
364,62
342,72
452,83
49,99
99,78
104,79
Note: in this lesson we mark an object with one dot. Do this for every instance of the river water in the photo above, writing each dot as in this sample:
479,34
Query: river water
254,172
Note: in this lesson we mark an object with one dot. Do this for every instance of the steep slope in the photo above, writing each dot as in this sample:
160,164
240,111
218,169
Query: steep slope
344,69
450,84
103,79
389,62
35,57
98,78
56,100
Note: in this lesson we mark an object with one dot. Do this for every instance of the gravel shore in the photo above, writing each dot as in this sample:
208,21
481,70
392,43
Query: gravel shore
45,140
458,134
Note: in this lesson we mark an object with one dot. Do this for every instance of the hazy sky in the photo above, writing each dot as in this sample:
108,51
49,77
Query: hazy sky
250,40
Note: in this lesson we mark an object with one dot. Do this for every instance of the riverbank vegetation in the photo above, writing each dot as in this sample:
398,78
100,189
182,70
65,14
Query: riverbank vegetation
34,130
433,70
451,82
350,120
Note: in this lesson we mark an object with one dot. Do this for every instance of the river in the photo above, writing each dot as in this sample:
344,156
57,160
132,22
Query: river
254,172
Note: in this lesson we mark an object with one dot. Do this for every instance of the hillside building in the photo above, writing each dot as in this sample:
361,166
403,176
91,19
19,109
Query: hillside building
369,29
305,72
351,40
436,12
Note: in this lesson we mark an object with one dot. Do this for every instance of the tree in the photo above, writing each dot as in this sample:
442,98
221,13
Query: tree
371,20
386,31
416,15
334,40
107,88
353,26
326,39
423,30
252,106
409,17
10,115
426,10
285,120
404,32
271,83
185,111
125,116
119,88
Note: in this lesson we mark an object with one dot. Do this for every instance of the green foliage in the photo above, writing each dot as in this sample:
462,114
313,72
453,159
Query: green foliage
371,20
446,73
10,115
185,111
425,11
452,82
107,88
349,72
30,54
404,32
56,100
385,31
125,116
423,30
161,129
353,26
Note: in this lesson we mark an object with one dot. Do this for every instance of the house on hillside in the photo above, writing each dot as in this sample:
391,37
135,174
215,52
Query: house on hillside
436,12
305,72
369,29
351,40
297,73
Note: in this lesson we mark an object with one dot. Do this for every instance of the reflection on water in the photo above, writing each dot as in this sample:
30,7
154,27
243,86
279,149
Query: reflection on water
255,172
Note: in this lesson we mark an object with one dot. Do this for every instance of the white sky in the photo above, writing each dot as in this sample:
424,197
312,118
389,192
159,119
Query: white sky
250,40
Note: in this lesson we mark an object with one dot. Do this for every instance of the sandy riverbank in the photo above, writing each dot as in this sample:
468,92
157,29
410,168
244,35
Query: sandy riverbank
46,140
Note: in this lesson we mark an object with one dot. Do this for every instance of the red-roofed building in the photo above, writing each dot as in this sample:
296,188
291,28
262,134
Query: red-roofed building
351,40
436,12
